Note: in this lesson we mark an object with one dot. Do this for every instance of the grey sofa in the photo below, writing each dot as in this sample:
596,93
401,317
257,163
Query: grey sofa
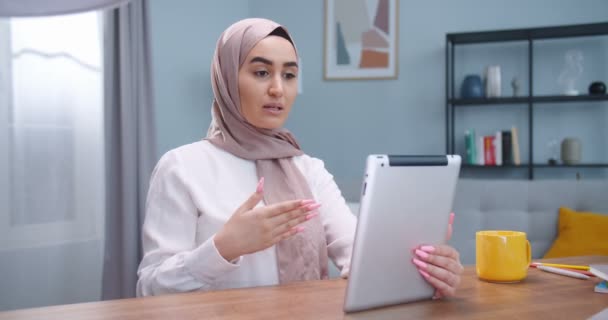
523,205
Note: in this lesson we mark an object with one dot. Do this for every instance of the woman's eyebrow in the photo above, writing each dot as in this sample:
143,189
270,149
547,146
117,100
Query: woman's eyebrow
270,63
290,64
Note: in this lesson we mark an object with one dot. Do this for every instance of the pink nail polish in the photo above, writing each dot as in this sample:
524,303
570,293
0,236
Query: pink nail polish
306,202
452,218
260,187
297,229
424,273
313,206
422,254
428,249
312,215
420,263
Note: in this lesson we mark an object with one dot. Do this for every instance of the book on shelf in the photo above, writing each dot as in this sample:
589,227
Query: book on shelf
515,146
489,151
507,158
501,148
470,146
480,153
498,149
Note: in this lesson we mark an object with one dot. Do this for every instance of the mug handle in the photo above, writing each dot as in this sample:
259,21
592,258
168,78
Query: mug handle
529,251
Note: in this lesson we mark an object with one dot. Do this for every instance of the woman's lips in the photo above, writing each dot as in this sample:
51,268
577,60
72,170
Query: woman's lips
274,109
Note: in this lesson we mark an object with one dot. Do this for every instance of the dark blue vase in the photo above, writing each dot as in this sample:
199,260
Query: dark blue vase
472,87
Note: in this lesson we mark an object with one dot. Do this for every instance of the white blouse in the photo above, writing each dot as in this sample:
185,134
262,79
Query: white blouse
194,189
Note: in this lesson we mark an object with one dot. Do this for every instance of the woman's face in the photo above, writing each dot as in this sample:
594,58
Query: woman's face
268,83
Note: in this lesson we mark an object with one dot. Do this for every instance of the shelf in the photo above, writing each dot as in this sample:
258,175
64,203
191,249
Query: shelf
486,101
506,166
525,166
519,100
582,165
581,30
585,97
524,107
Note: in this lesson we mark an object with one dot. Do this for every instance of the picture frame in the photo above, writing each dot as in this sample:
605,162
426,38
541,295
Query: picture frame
361,39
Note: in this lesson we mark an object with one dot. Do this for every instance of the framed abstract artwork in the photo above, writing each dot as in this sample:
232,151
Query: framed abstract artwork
361,39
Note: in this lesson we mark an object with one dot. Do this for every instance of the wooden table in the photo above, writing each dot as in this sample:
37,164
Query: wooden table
541,296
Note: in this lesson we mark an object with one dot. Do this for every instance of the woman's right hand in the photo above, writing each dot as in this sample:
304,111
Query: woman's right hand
252,229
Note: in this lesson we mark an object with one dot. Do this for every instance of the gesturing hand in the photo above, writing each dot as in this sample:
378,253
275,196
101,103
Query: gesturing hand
440,266
253,229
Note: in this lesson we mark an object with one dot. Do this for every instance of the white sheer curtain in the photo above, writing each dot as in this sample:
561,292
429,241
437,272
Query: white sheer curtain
28,8
51,160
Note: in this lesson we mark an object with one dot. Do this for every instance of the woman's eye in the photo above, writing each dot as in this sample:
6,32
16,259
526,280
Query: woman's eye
261,73
290,75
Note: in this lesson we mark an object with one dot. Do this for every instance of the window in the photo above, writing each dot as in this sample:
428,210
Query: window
51,130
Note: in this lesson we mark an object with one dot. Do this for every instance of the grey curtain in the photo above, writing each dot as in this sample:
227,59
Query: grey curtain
130,142
29,8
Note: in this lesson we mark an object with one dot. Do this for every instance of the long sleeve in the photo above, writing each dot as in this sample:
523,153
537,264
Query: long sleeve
339,222
172,261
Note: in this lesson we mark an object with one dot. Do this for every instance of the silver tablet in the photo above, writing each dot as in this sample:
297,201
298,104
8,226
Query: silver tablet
405,202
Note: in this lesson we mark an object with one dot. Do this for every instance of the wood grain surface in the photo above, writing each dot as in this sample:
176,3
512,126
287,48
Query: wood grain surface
540,296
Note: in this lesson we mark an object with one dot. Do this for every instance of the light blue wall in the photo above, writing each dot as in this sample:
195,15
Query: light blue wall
184,34
340,121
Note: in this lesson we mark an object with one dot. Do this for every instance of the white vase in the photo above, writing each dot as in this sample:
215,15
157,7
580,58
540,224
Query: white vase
493,82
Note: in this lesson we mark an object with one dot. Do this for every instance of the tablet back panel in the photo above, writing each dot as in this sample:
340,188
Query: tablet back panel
405,202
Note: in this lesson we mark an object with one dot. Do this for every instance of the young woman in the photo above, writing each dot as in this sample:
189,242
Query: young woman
245,206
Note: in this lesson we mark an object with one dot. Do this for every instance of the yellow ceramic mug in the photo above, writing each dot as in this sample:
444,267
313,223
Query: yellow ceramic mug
502,256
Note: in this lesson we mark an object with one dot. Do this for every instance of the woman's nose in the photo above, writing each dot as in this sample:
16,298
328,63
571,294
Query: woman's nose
276,87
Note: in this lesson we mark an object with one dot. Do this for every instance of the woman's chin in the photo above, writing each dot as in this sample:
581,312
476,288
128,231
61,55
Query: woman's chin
270,124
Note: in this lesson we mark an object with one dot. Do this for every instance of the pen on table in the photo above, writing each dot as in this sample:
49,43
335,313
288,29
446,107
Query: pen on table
574,270
562,272
567,266
580,271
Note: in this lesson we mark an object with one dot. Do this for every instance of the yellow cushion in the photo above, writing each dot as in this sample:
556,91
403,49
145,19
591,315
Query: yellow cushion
579,234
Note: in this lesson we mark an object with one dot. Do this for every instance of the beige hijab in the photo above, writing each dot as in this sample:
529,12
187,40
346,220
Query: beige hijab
303,256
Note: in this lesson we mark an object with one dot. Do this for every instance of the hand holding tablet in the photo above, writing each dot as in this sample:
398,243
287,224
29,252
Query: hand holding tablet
440,266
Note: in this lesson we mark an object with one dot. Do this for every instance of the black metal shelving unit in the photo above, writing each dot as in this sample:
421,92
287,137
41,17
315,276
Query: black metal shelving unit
529,35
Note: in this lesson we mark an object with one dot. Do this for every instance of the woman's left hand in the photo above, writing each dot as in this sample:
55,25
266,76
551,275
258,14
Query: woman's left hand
440,266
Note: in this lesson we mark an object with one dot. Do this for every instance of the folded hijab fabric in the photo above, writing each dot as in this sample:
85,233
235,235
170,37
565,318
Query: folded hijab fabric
304,255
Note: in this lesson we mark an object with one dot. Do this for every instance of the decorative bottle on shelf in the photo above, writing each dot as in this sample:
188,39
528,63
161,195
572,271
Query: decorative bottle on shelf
571,151
572,70
552,152
471,87
493,82
515,85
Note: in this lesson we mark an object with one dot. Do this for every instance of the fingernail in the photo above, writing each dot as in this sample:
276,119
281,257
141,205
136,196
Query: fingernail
424,274
452,217
427,248
419,263
297,229
260,187
422,254
313,206
436,297
307,201
312,215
